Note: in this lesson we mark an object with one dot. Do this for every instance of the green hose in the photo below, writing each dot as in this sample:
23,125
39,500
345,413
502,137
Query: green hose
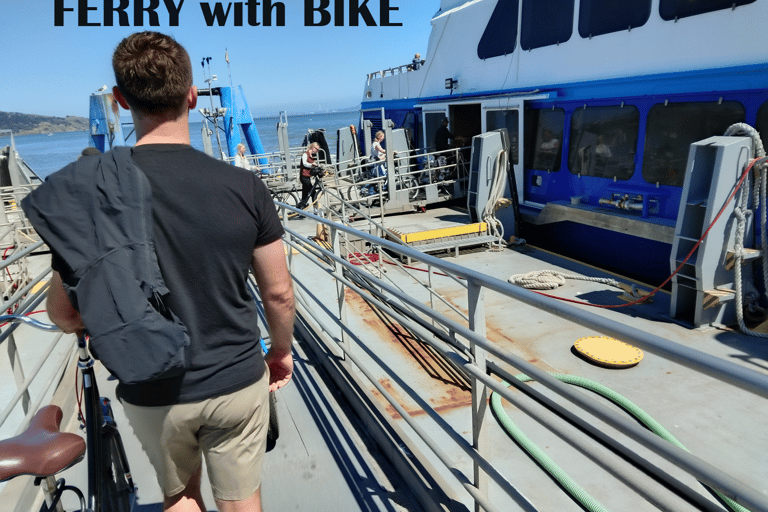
554,470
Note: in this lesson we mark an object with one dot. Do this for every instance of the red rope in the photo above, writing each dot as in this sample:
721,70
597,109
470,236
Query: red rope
5,253
642,299
375,257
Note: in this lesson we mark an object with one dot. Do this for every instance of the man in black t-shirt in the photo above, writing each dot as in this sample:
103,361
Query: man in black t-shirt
213,222
442,135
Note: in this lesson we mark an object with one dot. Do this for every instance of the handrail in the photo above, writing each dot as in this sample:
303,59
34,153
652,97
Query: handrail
415,316
396,70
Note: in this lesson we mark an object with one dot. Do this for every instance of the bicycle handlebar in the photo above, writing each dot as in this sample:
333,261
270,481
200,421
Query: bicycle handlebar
29,321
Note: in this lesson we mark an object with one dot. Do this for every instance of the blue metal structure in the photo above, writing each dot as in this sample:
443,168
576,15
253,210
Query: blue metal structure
238,115
106,129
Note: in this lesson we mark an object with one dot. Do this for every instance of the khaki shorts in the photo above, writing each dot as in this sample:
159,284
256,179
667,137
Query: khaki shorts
230,431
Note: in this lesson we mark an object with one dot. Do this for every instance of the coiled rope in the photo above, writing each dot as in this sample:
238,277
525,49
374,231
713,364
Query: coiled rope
488,213
557,473
741,211
551,279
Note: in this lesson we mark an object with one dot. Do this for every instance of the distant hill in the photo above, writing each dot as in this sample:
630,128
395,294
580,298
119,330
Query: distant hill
22,124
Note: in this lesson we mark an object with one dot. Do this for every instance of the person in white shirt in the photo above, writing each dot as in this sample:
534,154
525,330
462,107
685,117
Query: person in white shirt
241,160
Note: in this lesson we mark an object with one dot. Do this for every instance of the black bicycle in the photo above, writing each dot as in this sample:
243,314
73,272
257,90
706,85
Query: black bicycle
43,451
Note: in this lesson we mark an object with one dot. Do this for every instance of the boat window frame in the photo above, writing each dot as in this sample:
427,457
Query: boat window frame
536,26
602,153
534,136
499,38
604,21
670,10
676,157
761,121
514,135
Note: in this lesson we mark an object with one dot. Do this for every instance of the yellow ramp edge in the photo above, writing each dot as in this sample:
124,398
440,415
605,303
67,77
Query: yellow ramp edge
420,236
39,286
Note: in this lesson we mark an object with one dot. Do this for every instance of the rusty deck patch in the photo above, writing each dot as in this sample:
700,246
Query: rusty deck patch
447,388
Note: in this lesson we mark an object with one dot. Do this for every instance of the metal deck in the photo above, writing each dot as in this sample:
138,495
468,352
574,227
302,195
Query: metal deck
401,390
715,420
323,460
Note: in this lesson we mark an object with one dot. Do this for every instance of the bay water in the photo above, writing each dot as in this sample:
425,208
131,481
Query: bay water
47,153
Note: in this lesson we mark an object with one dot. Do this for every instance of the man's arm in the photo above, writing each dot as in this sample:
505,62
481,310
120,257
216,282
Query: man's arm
60,309
276,287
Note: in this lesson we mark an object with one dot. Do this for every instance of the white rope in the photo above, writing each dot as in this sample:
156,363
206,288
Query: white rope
551,279
488,213
741,211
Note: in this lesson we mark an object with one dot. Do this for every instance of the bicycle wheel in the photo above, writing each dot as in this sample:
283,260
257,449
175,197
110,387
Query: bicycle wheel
411,185
117,488
286,197
273,431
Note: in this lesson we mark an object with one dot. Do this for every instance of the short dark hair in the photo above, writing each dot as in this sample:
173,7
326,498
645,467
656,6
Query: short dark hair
90,151
153,73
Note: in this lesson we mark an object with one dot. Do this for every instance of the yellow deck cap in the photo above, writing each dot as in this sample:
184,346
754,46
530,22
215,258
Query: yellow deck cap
609,352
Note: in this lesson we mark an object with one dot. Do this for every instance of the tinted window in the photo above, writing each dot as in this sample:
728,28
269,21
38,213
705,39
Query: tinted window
603,141
673,128
495,119
432,122
546,22
672,9
501,33
603,16
762,123
544,138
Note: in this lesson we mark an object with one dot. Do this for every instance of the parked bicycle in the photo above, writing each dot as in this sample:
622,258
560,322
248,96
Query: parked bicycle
43,451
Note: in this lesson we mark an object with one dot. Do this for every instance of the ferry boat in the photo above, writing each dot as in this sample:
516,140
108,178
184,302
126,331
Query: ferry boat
601,100
409,391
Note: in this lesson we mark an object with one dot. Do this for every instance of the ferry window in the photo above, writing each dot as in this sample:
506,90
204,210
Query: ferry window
544,138
509,119
546,22
762,123
603,141
432,122
501,32
673,9
598,17
673,128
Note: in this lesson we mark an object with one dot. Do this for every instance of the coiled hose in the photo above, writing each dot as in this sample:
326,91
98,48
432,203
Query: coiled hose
570,485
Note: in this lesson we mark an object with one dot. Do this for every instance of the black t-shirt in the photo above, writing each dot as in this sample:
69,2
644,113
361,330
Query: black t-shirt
208,218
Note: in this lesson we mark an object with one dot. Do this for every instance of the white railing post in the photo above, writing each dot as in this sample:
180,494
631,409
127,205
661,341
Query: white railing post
476,305
18,372
340,288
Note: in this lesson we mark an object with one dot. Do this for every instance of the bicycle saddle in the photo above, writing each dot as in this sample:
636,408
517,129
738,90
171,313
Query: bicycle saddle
41,450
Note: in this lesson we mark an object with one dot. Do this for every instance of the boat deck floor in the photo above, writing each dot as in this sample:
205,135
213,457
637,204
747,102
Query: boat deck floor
322,461
325,461
714,420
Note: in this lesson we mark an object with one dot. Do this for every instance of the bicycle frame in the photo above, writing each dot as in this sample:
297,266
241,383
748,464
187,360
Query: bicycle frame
108,473
101,432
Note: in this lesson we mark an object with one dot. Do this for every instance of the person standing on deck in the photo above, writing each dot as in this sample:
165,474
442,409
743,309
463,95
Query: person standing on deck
240,159
308,167
417,62
212,222
442,135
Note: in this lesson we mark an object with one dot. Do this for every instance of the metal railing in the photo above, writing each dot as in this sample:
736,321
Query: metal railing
466,347
358,181
32,363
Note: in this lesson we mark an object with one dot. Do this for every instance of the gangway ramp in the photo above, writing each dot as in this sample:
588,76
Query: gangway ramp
444,229
323,461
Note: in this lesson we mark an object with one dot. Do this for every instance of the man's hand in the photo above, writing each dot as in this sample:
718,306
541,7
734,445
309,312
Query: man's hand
280,369
60,308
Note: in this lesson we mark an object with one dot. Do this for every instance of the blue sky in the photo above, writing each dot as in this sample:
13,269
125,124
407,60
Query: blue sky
51,70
